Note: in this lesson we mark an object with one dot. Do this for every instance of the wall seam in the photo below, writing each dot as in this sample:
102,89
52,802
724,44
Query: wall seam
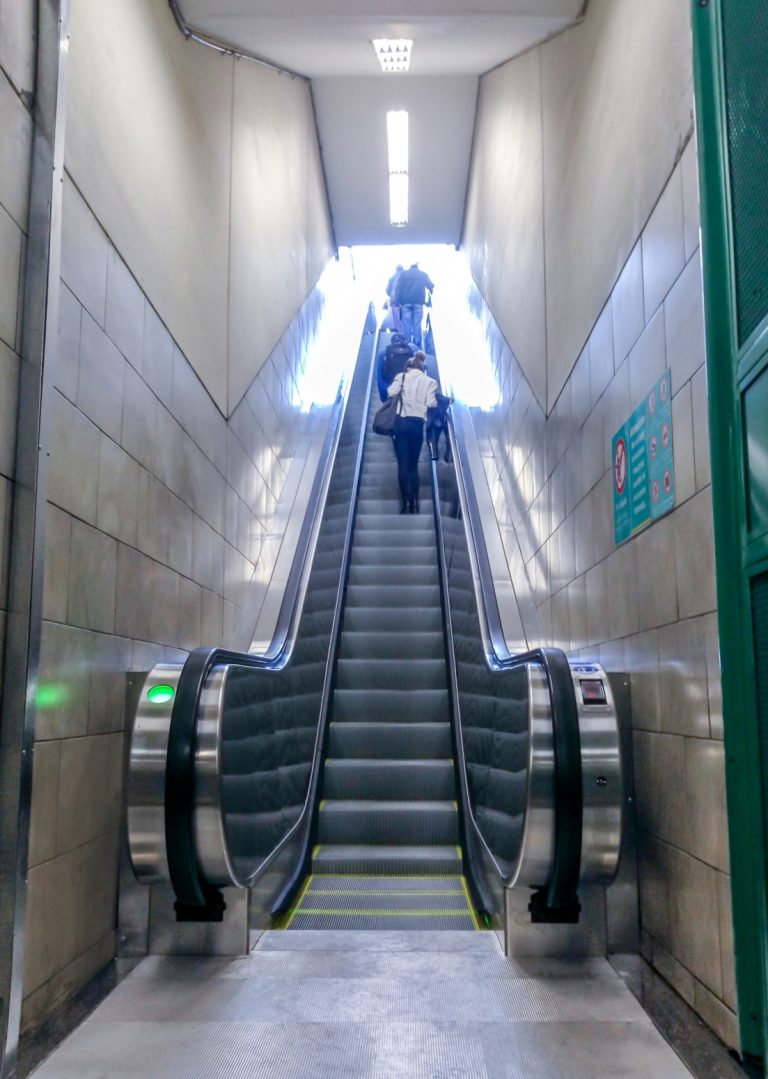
544,235
229,409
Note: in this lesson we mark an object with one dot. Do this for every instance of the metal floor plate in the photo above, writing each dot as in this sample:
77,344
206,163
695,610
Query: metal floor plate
383,1006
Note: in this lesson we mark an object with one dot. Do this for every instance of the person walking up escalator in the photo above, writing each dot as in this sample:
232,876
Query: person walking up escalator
391,290
419,393
391,362
410,296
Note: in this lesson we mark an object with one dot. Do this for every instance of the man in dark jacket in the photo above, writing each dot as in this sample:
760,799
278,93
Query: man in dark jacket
410,296
391,290
391,362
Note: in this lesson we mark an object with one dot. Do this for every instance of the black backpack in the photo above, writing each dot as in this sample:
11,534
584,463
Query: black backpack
395,359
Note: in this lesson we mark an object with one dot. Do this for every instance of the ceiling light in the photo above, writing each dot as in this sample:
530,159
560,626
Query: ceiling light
397,140
398,199
397,147
394,54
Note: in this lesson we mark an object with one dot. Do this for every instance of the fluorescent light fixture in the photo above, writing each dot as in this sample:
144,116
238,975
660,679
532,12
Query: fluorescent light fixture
397,146
394,54
398,198
397,140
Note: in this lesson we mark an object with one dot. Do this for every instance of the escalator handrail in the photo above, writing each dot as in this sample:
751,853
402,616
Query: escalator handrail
335,633
183,870
563,883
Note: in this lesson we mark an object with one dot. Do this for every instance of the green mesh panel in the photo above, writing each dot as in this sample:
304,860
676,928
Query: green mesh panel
759,588
745,31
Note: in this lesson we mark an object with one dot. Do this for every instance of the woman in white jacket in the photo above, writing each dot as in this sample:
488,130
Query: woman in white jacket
419,394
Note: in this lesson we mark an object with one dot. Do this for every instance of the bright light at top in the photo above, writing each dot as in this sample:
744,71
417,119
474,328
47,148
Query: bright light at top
398,198
397,149
464,356
332,349
397,140
463,352
394,54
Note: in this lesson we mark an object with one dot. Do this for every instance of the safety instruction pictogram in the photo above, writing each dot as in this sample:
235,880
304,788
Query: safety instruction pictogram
620,466
643,463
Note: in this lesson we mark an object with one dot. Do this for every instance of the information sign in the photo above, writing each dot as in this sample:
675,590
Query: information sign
643,463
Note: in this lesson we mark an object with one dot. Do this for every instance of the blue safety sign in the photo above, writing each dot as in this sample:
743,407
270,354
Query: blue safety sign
643,468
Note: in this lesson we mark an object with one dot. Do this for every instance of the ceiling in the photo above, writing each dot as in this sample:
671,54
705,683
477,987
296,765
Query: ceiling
332,37
455,41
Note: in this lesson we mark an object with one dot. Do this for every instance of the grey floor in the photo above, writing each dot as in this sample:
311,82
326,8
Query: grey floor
317,1005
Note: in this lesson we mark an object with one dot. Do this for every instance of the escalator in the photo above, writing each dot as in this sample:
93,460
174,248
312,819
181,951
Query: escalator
386,764
388,854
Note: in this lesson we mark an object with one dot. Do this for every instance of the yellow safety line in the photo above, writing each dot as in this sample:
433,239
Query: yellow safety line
469,903
303,892
390,876
373,891
386,913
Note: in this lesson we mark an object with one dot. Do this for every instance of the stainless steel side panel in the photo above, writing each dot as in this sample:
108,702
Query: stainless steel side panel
210,836
601,778
537,847
146,778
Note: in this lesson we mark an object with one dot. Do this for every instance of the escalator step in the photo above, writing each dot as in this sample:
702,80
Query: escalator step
378,503
370,555
387,523
396,822
411,675
396,706
395,576
392,619
391,645
320,901
406,595
388,780
391,921
419,542
345,884
383,861
390,740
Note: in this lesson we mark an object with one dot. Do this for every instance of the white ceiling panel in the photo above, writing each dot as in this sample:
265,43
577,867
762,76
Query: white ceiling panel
329,41
564,9
317,42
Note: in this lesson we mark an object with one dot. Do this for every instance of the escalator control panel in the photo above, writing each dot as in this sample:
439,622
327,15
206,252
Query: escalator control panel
593,691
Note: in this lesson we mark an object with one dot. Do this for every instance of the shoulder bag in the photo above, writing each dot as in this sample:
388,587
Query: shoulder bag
385,419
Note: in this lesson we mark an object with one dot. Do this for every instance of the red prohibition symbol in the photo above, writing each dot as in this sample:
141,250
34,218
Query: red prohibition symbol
620,466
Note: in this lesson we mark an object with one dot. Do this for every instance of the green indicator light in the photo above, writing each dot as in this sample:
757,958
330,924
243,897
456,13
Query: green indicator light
51,695
161,694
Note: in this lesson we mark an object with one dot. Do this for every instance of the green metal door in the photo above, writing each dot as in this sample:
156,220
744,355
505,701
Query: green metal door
730,40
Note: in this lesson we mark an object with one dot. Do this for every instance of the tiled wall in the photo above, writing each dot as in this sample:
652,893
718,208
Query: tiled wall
158,509
647,607
16,80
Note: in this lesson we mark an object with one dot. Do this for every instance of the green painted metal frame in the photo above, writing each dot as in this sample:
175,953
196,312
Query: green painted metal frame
738,557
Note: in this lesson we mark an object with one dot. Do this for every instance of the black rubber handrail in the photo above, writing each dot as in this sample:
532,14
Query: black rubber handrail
311,802
562,888
190,889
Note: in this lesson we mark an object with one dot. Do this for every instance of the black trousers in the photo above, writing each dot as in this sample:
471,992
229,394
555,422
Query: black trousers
409,438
